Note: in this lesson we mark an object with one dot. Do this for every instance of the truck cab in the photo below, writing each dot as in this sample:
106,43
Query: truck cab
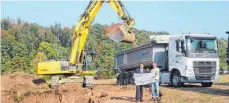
193,58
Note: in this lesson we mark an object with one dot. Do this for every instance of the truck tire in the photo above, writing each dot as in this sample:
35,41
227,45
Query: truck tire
119,79
159,83
124,79
176,79
131,78
206,84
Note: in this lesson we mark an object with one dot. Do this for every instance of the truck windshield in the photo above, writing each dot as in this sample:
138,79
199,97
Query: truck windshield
202,45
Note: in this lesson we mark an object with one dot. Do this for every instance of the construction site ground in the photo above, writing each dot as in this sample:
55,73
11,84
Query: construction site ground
19,88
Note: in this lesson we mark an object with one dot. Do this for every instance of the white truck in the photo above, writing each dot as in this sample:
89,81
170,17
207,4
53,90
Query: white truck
185,58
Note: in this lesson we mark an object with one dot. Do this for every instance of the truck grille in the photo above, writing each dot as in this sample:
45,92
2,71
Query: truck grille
204,70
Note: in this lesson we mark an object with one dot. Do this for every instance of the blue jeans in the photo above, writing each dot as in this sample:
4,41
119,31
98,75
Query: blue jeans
155,88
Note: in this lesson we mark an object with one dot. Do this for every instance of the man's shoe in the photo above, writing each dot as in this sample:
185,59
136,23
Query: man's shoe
141,101
158,98
137,101
153,98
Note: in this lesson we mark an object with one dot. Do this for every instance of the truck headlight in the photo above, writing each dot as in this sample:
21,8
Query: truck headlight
189,72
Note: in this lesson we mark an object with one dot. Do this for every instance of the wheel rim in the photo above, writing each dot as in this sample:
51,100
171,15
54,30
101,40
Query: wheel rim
175,80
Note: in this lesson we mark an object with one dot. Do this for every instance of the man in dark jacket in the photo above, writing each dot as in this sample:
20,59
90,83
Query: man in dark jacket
139,88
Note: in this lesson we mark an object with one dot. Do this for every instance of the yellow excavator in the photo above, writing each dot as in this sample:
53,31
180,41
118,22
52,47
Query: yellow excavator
120,32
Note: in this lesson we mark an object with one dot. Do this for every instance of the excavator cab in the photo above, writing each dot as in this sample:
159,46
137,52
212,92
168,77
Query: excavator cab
88,60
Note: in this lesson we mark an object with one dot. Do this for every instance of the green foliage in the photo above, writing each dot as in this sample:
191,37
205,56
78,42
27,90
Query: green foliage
19,50
40,57
46,77
48,49
61,52
20,64
18,97
24,45
5,24
88,73
7,67
222,43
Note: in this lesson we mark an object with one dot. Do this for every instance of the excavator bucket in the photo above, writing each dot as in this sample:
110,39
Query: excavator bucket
118,32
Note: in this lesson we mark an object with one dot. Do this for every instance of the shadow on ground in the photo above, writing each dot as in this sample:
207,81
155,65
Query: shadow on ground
38,81
130,99
224,84
207,90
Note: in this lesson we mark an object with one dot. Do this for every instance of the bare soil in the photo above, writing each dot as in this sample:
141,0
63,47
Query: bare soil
18,88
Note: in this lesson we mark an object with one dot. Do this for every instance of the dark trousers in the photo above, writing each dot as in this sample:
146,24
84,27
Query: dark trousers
139,92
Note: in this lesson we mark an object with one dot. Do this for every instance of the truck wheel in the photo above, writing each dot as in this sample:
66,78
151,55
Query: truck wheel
159,83
206,84
131,79
119,80
176,79
124,79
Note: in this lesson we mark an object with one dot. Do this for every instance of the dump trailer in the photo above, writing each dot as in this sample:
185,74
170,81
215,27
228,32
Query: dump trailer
185,58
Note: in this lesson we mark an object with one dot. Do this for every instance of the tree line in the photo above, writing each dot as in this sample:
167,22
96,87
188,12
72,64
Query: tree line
24,44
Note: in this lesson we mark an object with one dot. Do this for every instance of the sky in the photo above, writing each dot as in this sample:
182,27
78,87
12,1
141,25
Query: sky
175,17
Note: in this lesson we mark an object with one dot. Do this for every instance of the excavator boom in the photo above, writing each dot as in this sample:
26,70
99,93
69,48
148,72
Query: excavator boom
122,32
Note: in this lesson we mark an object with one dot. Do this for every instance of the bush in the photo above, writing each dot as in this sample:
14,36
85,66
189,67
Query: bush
88,73
106,74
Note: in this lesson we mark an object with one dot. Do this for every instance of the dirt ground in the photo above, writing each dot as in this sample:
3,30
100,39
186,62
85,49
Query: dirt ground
18,88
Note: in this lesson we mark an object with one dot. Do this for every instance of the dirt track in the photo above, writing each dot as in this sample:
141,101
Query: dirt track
18,87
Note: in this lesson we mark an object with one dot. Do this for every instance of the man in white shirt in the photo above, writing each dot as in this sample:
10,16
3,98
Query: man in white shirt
155,85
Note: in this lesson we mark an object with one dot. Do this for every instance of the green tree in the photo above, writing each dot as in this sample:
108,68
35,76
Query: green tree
6,64
20,64
61,52
222,43
40,57
19,49
6,24
48,49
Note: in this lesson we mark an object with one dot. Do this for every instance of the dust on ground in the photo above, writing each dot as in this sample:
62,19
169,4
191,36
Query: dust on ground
18,88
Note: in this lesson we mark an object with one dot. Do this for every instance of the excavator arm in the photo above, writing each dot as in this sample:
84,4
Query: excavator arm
82,28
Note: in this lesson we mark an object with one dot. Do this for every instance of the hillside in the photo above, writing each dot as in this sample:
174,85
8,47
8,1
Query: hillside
25,44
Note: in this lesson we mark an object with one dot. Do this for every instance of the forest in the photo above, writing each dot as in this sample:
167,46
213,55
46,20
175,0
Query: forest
24,44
